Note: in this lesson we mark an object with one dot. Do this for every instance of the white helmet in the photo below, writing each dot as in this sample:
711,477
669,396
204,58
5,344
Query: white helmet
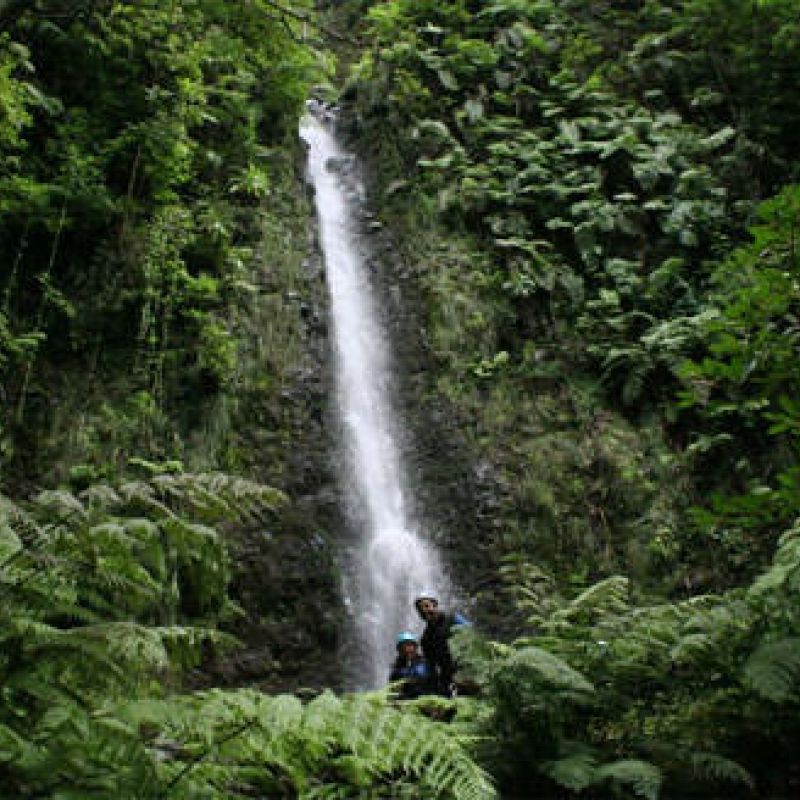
426,594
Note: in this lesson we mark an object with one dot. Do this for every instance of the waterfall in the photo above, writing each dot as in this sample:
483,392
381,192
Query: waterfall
391,562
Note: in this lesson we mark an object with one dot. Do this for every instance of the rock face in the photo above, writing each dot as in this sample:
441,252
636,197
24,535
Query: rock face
287,575
286,580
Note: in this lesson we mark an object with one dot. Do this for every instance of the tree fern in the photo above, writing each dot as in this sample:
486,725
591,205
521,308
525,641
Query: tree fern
578,769
575,771
60,505
535,685
631,653
213,497
83,579
714,768
609,596
644,779
773,670
358,738
784,573
207,497
10,544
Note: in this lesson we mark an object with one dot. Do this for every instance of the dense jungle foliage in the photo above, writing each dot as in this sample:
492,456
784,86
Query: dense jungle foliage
598,204
139,144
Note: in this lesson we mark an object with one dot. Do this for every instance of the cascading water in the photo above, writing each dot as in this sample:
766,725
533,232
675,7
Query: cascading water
392,561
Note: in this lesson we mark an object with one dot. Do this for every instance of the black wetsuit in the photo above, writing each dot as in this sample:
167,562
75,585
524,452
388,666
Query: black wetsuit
436,650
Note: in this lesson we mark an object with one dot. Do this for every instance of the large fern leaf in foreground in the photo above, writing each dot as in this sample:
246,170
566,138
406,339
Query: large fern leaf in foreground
355,746
92,588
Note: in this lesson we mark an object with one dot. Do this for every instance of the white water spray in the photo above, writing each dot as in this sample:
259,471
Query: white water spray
393,562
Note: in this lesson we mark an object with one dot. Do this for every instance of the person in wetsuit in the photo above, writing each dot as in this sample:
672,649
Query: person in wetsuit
411,668
435,647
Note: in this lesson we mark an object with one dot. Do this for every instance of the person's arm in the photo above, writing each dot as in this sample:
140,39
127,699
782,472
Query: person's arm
460,619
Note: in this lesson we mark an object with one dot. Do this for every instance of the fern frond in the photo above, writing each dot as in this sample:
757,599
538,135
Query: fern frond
41,689
693,647
575,771
79,647
13,747
361,712
140,647
321,715
643,778
714,768
27,529
773,670
101,755
728,612
607,597
284,715
140,497
532,670
440,762
100,496
184,643
61,504
784,573
403,735
10,543
217,496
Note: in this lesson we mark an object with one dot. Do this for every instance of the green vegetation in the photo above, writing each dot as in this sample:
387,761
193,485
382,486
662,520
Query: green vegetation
598,204
670,699
109,597
147,150
606,202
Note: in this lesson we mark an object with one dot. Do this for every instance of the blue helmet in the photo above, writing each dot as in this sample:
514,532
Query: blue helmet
406,636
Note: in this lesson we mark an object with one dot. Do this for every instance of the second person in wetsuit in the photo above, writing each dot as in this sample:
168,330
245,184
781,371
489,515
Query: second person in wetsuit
435,647
410,668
